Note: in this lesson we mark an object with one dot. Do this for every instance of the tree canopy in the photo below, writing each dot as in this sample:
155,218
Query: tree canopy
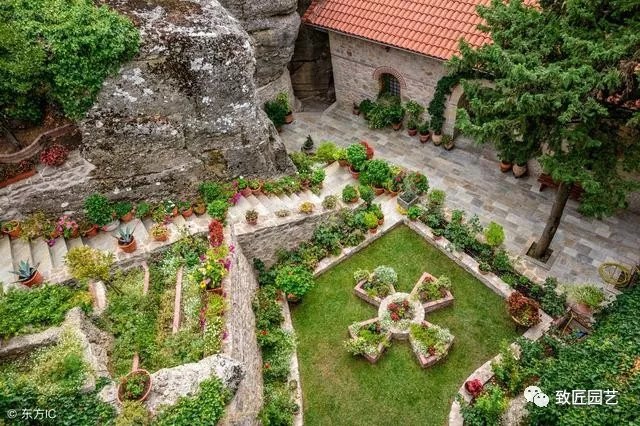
58,52
562,74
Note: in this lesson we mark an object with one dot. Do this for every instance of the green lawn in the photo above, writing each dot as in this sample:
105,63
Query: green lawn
343,390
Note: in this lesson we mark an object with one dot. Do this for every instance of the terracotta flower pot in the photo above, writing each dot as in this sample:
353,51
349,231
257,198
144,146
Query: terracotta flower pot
412,132
394,193
91,232
161,237
354,174
378,191
127,217
380,222
288,119
373,230
353,200
396,126
199,209
188,212
424,138
343,163
252,221
35,280
505,167
437,139
245,192
15,232
75,233
145,395
128,248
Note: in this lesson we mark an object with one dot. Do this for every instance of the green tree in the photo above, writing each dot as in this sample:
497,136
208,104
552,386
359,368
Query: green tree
562,78
58,52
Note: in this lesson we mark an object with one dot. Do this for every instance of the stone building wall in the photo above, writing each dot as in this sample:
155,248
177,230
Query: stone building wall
355,62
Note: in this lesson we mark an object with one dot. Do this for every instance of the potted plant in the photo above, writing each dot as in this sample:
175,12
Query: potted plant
412,127
375,209
423,129
143,210
341,156
170,208
242,185
100,212
330,202
326,152
35,225
376,173
277,111
349,194
414,212
12,228
370,220
307,145
523,310
294,281
368,149
199,208
587,298
283,100
185,208
306,207
395,115
88,229
67,227
407,198
251,216
126,239
357,156
437,123
135,386
27,274
256,186
366,193
519,169
159,232
484,267
123,210
355,109
448,142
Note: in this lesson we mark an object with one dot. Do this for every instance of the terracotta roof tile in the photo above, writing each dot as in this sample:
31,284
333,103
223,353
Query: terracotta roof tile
429,27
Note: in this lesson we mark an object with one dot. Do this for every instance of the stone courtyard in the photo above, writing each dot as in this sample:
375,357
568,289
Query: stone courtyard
471,178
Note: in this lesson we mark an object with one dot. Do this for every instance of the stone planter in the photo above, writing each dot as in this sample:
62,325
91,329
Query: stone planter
359,291
406,204
17,178
443,302
397,329
519,170
381,347
428,360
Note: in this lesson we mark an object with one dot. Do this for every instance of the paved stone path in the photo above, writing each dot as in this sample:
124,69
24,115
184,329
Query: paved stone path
474,183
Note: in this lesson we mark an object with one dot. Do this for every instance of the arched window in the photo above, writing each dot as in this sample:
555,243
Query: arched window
389,85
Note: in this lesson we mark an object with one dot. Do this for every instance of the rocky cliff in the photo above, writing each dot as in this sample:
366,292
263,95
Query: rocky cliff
183,111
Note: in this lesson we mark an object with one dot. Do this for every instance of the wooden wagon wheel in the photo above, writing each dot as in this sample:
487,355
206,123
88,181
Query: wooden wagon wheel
615,274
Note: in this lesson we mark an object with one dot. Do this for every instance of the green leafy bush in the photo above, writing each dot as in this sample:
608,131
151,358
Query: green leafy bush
376,173
59,52
278,408
357,156
99,209
294,280
204,408
414,212
326,151
23,312
494,234
267,309
366,193
86,263
487,409
349,194
133,414
217,209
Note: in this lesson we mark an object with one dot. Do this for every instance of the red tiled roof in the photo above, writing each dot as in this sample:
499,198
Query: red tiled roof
430,27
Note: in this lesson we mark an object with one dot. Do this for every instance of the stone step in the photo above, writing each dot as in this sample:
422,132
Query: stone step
75,242
333,169
104,241
271,203
148,223
41,256
20,250
58,252
7,262
295,201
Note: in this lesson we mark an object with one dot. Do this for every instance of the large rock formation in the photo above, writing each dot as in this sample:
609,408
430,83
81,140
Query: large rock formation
184,110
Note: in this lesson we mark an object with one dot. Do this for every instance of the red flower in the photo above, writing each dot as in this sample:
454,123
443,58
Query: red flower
395,317
216,235
55,155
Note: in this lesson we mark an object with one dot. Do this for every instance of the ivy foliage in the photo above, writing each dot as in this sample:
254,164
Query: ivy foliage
58,52
608,359
555,70
204,408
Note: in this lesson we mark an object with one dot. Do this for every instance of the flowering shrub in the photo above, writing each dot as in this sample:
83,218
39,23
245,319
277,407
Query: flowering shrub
216,235
368,339
430,340
54,155
525,311
294,280
400,310
378,283
474,387
436,289
214,267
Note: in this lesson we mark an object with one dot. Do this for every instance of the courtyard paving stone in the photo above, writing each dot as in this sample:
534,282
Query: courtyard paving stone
474,183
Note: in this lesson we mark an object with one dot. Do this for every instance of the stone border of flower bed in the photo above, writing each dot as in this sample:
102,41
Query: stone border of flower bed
424,361
362,294
381,347
433,305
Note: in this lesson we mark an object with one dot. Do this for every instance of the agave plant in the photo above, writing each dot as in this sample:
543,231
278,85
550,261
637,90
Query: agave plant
125,235
25,270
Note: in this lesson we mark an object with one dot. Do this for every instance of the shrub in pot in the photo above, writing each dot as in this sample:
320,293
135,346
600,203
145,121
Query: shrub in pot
436,199
376,173
159,232
330,202
368,148
327,152
126,239
523,310
370,220
123,210
185,208
366,193
217,209
357,156
437,123
588,298
251,216
306,207
135,386
423,130
414,111
412,127
12,228
199,207
414,212
341,157
142,210
395,115
283,100
448,142
317,177
407,198
100,210
28,274
294,281
494,235
349,194
417,181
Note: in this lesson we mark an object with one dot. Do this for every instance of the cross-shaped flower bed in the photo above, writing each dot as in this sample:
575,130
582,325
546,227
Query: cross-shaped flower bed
401,316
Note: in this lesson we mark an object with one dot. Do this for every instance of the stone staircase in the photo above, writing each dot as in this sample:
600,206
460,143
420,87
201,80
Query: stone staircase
51,259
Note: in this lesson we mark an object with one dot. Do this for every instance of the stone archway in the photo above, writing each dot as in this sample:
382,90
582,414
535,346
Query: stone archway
379,72
456,99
